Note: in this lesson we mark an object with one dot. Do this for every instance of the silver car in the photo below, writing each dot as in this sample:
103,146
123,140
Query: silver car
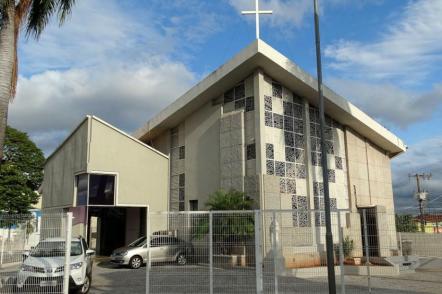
162,249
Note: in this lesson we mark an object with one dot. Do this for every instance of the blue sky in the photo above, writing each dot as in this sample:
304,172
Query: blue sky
125,60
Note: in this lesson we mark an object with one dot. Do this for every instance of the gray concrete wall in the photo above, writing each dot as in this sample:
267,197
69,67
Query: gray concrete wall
423,244
207,166
162,143
369,173
202,162
142,173
232,151
61,167
370,185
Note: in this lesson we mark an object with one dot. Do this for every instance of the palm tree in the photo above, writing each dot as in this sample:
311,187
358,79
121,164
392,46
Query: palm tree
13,14
232,200
229,229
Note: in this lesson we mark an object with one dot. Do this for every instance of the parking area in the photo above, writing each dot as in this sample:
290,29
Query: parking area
194,279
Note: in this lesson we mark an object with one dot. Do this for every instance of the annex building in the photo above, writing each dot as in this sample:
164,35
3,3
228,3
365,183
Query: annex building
252,125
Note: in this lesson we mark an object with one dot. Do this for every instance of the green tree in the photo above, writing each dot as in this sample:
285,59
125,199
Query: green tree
229,229
406,223
232,200
13,15
20,174
21,153
16,197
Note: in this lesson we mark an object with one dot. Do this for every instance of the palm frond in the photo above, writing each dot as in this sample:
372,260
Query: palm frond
39,15
41,12
4,5
65,9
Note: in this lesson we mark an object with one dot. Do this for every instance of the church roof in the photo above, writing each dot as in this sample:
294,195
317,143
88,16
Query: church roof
260,55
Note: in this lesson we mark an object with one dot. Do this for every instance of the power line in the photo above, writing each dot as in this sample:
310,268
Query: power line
421,195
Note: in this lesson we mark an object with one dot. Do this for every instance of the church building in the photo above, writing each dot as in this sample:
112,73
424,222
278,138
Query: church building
253,125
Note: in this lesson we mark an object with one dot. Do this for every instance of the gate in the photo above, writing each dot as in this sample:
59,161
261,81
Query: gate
197,252
33,254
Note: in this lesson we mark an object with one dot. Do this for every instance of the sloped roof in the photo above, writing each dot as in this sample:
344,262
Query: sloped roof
431,218
86,119
261,55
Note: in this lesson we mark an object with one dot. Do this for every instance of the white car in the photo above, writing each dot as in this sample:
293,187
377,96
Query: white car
43,267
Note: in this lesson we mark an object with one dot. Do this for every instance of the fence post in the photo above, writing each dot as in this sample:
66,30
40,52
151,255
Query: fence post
274,249
210,252
400,244
341,253
67,253
258,253
367,251
2,251
148,263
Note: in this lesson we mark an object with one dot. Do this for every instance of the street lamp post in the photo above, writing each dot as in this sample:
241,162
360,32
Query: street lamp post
328,233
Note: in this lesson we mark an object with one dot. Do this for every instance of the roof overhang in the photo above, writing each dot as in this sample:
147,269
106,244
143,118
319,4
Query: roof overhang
261,55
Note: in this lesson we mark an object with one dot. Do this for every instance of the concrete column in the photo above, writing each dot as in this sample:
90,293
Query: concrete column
258,90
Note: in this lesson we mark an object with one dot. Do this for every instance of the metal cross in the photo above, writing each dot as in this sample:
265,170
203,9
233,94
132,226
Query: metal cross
257,12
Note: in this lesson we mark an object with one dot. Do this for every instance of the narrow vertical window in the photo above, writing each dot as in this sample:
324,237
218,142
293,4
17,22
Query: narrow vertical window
251,151
182,152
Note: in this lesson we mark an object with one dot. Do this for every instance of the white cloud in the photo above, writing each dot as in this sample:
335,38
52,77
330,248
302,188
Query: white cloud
111,59
98,31
191,21
359,3
289,14
388,103
410,48
94,33
423,157
51,103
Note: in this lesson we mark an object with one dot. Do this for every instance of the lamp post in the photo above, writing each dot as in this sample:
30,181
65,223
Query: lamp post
328,232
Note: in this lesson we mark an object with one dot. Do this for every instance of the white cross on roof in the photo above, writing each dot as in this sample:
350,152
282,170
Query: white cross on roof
257,12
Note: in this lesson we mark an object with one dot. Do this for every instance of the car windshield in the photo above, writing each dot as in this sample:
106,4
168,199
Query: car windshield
55,248
138,242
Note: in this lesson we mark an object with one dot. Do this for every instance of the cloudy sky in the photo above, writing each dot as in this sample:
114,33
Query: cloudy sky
125,60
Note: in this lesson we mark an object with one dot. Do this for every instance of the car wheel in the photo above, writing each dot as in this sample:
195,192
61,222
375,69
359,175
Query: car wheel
86,286
181,259
135,262
10,284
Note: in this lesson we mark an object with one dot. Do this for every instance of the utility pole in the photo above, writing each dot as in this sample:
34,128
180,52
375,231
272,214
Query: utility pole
328,231
421,196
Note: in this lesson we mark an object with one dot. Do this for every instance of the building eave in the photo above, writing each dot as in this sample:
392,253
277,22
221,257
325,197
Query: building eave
261,55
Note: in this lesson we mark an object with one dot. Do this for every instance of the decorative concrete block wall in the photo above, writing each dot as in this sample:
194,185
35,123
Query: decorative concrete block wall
285,152
237,140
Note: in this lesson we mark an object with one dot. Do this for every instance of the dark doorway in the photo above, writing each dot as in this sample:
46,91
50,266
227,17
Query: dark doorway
372,231
111,228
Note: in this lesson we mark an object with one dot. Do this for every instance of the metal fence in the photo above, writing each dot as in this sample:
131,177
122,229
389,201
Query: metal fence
33,254
393,256
282,251
237,251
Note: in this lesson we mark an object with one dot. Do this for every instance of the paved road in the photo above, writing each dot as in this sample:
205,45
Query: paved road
195,279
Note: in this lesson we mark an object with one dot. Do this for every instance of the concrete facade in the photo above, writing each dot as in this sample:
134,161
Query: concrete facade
140,179
96,147
61,167
253,126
